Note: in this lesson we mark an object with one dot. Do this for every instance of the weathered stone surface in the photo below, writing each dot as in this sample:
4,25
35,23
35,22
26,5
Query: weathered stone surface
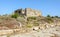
28,12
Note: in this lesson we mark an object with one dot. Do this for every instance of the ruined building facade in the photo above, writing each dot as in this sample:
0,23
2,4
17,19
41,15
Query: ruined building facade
28,12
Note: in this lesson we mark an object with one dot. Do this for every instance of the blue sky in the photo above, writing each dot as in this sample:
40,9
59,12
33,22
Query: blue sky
51,7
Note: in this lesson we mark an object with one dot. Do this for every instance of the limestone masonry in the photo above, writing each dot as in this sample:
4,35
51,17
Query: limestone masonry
28,12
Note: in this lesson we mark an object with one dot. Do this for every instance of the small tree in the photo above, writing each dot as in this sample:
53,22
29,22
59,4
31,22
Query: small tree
48,15
52,17
56,16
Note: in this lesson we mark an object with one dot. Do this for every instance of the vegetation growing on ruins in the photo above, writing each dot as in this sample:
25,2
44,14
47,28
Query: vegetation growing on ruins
15,20
14,15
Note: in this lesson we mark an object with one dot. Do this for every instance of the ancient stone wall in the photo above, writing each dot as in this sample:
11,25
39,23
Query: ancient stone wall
31,12
28,12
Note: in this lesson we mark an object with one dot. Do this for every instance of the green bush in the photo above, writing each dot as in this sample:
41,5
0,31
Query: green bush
52,17
56,17
48,15
15,15
32,18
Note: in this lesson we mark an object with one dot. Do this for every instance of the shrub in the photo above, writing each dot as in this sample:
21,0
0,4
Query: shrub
15,15
48,15
56,16
52,17
32,18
